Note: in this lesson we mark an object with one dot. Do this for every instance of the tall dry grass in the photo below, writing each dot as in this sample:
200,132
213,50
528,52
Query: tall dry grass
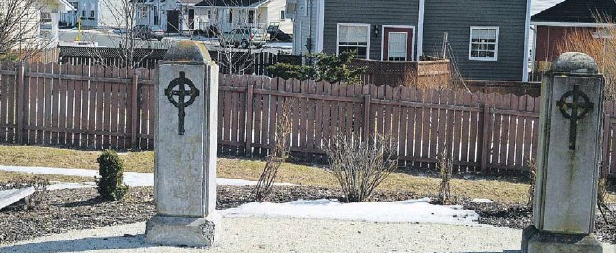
601,48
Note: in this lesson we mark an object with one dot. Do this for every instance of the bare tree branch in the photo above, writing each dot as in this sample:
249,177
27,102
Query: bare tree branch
19,28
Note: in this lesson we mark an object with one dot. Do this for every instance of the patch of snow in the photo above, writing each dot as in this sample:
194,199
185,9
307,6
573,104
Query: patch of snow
8,197
130,178
403,211
282,45
482,201
60,186
50,171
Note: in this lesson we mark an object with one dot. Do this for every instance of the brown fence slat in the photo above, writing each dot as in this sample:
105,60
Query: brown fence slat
152,98
511,138
3,101
31,103
466,122
82,109
519,146
12,104
407,124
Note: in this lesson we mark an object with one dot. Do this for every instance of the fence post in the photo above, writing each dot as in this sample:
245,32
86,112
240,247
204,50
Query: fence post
20,109
485,137
249,128
605,166
134,109
366,117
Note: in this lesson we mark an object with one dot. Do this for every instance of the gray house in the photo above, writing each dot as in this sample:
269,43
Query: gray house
488,39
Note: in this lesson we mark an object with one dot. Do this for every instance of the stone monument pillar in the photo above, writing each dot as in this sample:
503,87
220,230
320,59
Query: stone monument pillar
185,149
569,152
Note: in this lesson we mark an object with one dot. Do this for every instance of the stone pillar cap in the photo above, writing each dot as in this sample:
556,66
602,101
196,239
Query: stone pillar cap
189,52
575,63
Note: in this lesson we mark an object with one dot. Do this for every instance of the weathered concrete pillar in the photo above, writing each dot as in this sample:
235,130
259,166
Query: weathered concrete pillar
185,149
569,152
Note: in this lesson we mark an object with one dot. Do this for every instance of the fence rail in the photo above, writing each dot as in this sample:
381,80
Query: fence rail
93,107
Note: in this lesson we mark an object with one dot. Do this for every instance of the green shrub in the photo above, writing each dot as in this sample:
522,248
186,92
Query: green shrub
335,69
111,171
329,68
288,71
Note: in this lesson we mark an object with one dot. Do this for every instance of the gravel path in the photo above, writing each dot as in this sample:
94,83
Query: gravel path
294,235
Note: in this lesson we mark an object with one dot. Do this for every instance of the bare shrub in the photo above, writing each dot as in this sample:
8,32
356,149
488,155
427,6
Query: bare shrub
278,155
446,168
19,29
603,50
531,164
361,165
409,79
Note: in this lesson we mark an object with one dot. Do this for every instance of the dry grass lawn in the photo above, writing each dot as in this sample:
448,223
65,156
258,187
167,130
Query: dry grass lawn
251,170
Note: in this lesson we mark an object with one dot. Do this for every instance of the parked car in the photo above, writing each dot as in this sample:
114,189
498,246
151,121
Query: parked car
276,34
244,37
145,32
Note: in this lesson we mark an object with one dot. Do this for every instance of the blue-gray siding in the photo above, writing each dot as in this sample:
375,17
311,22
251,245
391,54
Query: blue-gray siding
457,16
452,16
373,12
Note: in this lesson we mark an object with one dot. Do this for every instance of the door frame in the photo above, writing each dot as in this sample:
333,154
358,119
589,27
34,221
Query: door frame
397,26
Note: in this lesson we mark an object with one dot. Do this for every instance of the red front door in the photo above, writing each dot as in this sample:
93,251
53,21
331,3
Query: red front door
398,43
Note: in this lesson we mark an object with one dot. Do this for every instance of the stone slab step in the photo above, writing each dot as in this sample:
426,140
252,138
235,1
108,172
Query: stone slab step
8,197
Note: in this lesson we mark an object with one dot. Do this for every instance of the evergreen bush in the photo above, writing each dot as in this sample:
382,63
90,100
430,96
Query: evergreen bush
111,171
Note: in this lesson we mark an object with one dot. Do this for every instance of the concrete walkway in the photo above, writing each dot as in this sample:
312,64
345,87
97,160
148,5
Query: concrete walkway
130,178
293,235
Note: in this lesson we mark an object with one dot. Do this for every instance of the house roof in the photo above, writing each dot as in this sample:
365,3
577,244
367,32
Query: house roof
231,3
577,11
189,1
57,5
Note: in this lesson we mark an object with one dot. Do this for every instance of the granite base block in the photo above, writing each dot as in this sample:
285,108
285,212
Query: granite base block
183,231
536,241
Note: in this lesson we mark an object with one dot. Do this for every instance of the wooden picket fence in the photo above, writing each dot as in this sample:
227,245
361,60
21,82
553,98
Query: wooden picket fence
424,124
92,107
77,106
487,133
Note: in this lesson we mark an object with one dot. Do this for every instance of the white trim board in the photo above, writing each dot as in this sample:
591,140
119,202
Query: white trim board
420,30
396,26
571,24
321,26
526,45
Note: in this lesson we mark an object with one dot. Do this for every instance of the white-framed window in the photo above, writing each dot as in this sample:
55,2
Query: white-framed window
483,45
354,37
282,15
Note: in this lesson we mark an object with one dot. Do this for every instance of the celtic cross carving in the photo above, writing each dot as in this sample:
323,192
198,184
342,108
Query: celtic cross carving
181,93
574,105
